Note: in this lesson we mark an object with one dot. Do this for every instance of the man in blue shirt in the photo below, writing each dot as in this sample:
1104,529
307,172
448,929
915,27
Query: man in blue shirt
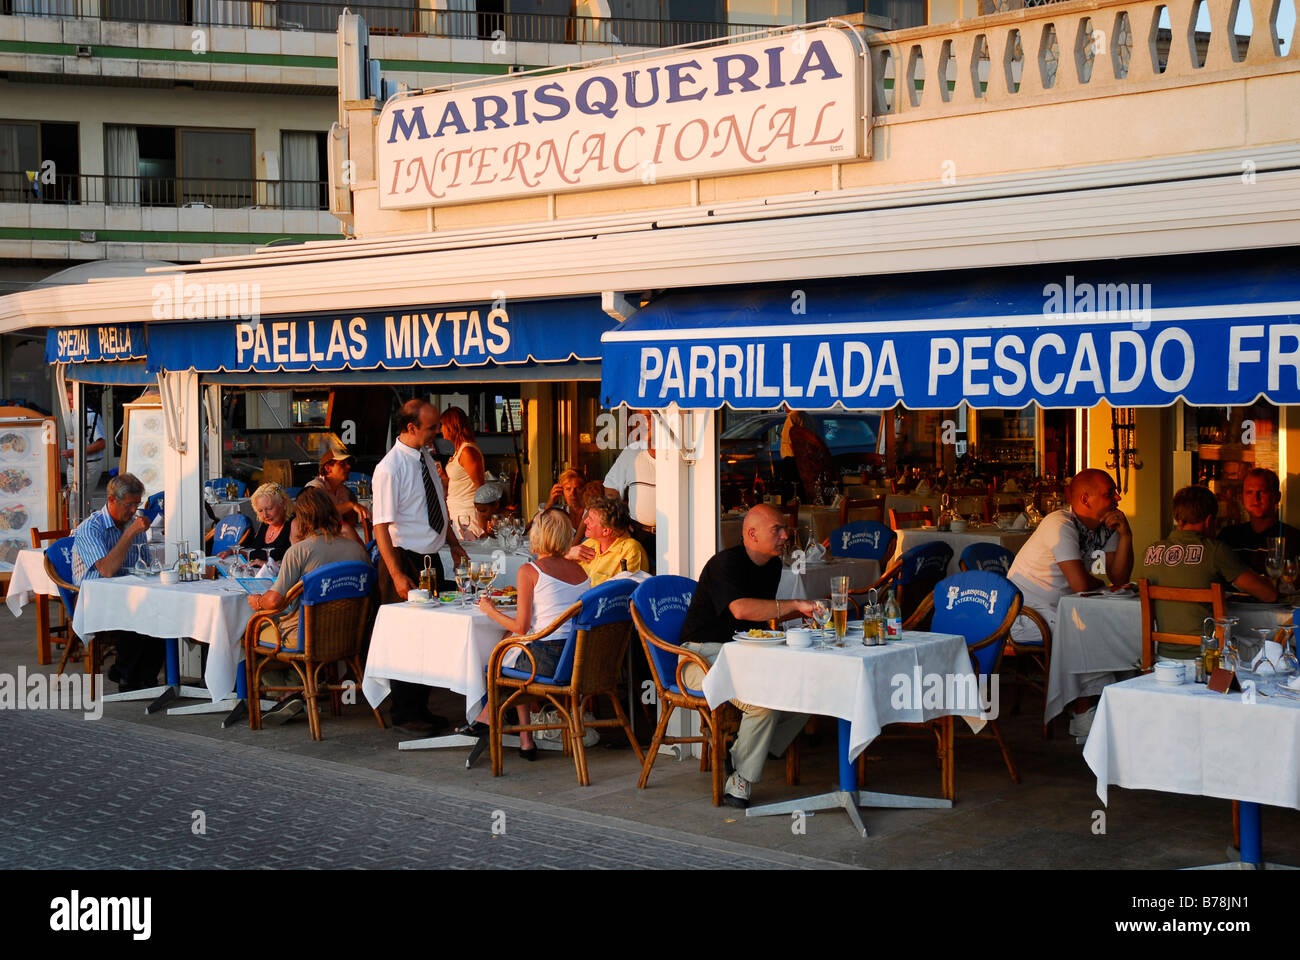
100,548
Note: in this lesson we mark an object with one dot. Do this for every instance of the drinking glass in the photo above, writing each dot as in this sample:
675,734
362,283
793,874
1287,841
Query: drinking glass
139,560
1290,572
487,573
1274,558
821,616
1289,663
463,582
840,616
465,521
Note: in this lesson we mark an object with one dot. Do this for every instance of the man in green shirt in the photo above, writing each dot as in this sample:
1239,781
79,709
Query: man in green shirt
1190,557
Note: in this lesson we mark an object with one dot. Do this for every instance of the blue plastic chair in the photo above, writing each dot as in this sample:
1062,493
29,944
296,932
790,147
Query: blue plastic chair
863,540
980,607
658,609
372,548
354,479
589,666
989,557
230,532
292,492
916,572
331,626
58,567
157,502
241,488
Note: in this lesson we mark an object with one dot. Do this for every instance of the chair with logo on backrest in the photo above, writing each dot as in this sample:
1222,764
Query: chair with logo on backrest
900,519
850,509
372,549
229,533
915,573
354,481
989,557
58,567
222,483
331,626
292,492
46,634
863,540
981,607
589,667
658,609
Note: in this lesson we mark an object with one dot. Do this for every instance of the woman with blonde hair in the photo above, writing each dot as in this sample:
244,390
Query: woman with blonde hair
274,510
466,470
547,587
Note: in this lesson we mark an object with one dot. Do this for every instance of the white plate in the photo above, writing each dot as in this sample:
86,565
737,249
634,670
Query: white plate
757,641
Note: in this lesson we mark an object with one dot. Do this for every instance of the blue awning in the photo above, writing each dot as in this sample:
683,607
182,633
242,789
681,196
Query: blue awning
1137,333
123,374
96,343
424,336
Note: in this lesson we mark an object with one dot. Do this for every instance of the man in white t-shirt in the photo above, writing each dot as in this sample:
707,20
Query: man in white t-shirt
632,479
1064,556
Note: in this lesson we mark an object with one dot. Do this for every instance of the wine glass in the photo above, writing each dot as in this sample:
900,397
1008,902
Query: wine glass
465,521
821,617
1289,663
139,560
463,582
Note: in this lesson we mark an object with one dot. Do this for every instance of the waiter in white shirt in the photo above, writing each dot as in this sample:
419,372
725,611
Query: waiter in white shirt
94,455
632,478
410,518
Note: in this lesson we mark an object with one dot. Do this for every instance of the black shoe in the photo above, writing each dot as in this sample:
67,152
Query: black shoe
476,729
285,710
114,674
739,803
529,754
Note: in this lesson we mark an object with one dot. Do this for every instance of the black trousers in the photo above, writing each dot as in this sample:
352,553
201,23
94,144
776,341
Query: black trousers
139,658
410,701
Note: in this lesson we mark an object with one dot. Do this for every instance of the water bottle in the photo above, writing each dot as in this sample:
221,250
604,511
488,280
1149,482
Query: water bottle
893,617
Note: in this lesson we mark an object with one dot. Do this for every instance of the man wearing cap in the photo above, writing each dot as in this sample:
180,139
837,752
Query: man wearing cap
487,504
335,465
411,523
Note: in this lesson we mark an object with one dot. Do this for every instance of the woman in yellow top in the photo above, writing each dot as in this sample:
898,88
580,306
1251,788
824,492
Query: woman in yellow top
608,542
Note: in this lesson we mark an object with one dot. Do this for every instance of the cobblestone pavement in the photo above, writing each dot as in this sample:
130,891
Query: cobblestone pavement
110,794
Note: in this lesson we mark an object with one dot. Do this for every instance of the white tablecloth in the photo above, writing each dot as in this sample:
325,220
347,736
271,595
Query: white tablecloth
28,579
224,508
480,550
1188,739
868,686
439,646
214,612
1101,634
1012,540
815,581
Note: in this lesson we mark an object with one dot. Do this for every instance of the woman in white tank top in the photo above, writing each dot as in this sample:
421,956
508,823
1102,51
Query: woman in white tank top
466,470
547,587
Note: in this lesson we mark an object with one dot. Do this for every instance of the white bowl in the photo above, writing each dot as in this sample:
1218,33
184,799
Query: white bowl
798,637
169,577
957,526
1170,671
418,596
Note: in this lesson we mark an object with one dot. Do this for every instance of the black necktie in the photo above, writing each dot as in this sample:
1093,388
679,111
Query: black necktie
431,505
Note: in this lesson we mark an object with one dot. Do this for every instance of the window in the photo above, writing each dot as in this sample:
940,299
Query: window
215,167
48,151
302,160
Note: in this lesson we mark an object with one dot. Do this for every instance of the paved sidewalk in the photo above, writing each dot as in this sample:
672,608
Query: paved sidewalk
111,794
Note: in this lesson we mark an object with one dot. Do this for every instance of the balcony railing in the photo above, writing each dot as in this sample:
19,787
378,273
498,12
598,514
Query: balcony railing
401,20
226,194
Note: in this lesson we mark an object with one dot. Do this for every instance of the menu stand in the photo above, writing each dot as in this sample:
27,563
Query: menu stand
848,797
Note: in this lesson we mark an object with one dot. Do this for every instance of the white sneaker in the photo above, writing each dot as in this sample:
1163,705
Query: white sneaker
735,793
1081,723
285,710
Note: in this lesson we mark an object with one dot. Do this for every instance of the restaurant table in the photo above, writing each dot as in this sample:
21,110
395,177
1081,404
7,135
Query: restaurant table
1185,738
214,612
480,550
224,508
855,684
1012,540
1099,634
814,583
29,580
438,645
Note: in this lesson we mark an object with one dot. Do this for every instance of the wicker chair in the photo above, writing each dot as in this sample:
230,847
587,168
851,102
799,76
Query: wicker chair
865,539
336,601
658,608
985,624
58,567
589,667
1036,652
850,507
229,533
915,572
898,519
47,635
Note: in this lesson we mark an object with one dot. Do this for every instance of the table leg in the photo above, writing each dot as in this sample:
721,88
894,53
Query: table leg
848,797
160,697
43,629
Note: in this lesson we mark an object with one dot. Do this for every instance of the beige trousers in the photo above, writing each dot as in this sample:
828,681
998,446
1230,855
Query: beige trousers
762,731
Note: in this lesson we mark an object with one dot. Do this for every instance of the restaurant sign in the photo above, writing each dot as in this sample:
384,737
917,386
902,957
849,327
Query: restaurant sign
94,343
792,99
501,331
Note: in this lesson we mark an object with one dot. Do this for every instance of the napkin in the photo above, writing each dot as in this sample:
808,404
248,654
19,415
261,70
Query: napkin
1293,683
268,571
815,553
1268,658
1021,522
923,488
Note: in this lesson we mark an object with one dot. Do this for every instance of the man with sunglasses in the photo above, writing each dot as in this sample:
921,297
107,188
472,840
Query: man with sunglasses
1065,555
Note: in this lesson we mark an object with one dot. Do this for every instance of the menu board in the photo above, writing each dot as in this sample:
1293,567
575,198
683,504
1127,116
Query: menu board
29,483
142,445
